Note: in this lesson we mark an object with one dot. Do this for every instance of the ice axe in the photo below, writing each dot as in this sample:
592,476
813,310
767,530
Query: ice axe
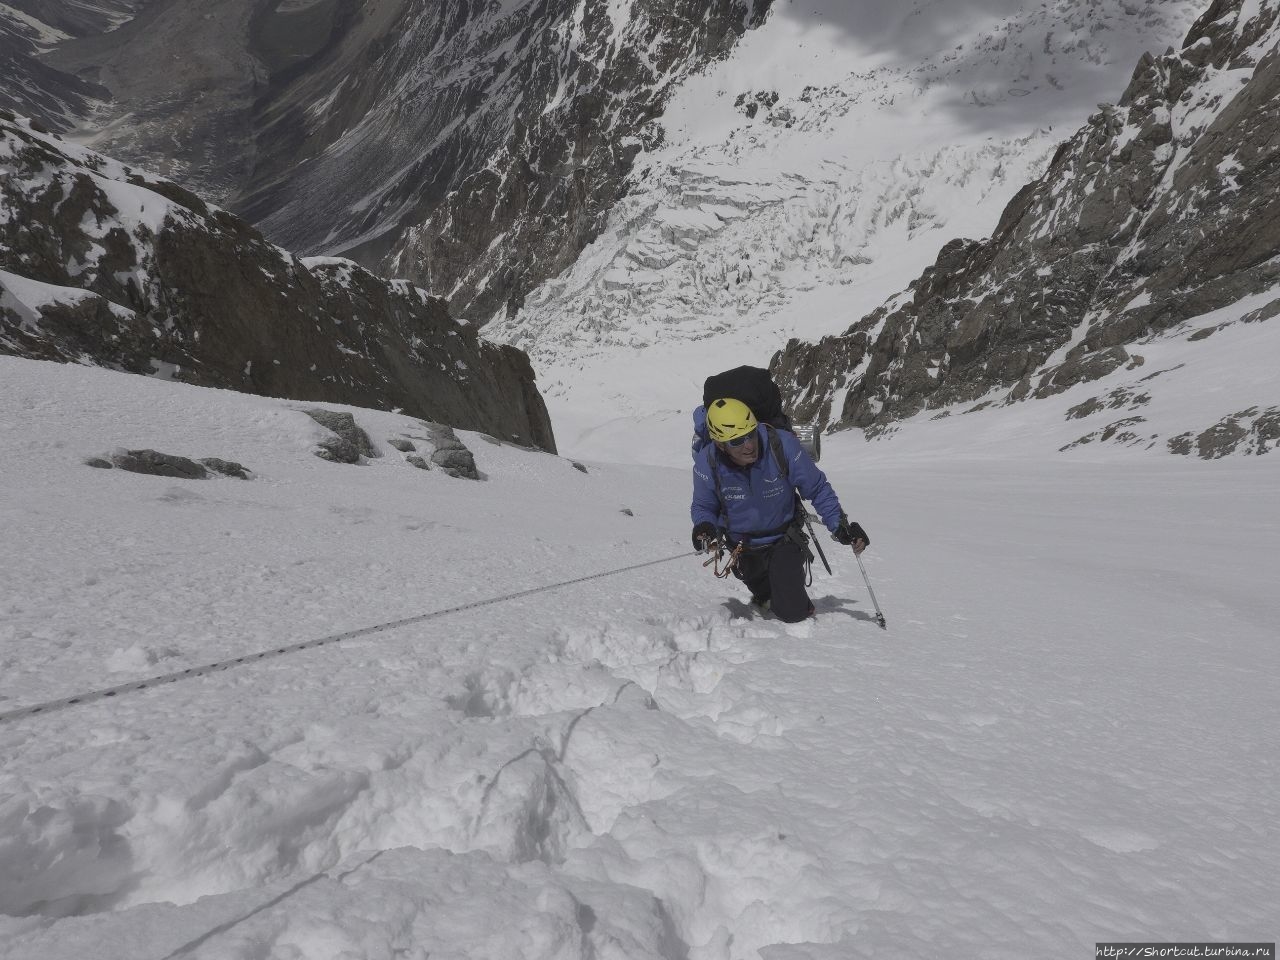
808,519
867,581
808,522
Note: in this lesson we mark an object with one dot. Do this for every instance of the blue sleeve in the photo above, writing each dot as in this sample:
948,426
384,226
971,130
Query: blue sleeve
700,436
811,481
706,504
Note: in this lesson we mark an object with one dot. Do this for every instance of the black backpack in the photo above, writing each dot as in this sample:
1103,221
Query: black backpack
752,386
757,389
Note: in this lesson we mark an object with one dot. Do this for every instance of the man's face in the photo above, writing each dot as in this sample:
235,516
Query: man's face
745,453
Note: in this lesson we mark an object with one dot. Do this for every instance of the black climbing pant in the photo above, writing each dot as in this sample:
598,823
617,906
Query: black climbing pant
777,573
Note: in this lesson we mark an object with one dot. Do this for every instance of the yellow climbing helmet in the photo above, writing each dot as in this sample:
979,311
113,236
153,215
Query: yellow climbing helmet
729,419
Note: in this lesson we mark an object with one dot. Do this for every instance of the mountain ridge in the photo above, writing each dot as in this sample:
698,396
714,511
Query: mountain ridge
468,148
1108,246
102,264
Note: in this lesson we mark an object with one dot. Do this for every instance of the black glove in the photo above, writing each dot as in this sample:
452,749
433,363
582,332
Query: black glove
848,531
704,534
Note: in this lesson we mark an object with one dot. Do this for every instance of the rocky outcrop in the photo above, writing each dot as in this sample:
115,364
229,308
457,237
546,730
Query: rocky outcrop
347,443
101,264
451,454
444,450
1251,432
1162,207
157,464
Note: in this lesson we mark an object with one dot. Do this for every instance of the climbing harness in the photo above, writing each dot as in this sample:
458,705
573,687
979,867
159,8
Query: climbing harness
132,687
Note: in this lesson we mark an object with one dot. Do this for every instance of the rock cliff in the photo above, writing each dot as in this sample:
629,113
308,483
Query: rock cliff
1164,206
102,264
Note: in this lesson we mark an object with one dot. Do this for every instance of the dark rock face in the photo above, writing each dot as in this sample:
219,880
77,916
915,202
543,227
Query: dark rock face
585,97
472,148
112,268
187,113
1083,368
1161,208
79,19
54,98
228,468
158,464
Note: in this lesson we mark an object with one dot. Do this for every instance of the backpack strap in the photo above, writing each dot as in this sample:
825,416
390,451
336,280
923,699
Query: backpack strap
715,472
784,468
779,457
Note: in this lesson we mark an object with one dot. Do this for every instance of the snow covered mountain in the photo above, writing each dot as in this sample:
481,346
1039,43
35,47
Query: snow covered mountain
1162,208
810,176
779,192
102,264
471,148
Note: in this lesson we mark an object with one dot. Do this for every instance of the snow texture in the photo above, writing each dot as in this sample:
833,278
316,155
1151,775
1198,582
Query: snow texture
1067,734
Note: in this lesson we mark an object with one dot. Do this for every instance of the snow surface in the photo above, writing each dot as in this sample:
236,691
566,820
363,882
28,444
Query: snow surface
1067,734
894,129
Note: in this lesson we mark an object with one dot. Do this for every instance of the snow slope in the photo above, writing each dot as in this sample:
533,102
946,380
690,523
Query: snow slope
1067,734
878,133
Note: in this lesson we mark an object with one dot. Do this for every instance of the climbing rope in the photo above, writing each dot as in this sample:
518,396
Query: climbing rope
136,685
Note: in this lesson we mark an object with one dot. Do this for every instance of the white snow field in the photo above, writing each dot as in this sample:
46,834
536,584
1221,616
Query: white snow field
1067,734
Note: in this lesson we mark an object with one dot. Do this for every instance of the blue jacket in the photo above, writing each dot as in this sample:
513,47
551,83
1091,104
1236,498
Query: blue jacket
757,498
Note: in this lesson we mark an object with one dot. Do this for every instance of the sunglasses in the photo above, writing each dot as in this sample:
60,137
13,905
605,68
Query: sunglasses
739,441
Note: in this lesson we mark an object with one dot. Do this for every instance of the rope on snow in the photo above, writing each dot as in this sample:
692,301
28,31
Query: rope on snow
93,696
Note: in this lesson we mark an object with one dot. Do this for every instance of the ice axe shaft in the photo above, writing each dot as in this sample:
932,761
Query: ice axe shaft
814,540
867,581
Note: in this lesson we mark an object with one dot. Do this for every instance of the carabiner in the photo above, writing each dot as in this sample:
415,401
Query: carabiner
732,562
